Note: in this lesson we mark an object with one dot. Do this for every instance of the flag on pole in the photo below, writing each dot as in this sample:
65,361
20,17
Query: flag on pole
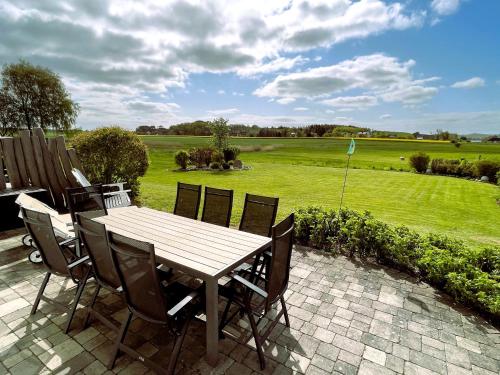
352,147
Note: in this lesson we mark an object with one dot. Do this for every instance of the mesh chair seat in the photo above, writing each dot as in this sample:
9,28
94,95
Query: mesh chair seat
58,258
173,305
255,295
86,199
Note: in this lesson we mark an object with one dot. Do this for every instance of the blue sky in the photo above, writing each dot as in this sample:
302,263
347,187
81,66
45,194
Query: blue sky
396,65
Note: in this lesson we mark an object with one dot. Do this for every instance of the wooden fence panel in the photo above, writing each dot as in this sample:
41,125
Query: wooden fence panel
55,187
21,164
3,184
75,162
9,158
29,157
61,177
66,163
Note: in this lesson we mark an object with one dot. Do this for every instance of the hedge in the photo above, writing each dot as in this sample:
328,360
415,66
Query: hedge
471,276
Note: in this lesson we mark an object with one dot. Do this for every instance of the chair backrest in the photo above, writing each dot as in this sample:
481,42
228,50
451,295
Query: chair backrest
80,178
217,206
135,265
279,271
187,202
259,214
39,227
95,240
86,199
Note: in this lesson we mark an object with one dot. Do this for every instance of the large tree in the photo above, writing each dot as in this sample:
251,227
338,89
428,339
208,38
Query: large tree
32,96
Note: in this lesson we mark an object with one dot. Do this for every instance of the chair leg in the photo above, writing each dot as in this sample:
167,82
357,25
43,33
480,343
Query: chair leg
91,307
285,311
40,293
74,305
223,322
177,347
256,337
119,340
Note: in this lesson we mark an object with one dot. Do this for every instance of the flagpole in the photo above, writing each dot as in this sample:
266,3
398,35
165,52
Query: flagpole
345,179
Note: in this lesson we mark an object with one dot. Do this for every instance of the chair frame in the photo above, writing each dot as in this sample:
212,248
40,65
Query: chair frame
91,311
184,306
181,186
70,267
222,193
96,190
244,301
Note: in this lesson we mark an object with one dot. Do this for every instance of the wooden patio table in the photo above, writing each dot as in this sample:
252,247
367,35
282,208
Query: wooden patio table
203,250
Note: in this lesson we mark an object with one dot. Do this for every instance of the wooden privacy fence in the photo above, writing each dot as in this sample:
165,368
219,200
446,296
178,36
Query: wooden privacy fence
32,161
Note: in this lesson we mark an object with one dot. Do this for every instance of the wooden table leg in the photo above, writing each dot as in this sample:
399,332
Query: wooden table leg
212,303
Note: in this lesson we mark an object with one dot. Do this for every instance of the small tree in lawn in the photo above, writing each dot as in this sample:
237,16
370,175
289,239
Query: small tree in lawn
220,134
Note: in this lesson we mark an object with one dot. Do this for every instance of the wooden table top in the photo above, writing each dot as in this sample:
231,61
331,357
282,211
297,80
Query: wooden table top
200,249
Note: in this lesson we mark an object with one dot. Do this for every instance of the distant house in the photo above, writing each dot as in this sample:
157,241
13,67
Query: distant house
493,138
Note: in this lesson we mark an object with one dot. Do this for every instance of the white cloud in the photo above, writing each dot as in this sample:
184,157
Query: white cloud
352,102
471,83
286,100
236,93
221,92
445,7
380,75
318,58
330,111
301,109
227,111
202,91
385,116
275,65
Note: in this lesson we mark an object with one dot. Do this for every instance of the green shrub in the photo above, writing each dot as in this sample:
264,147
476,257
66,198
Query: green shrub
225,165
200,156
419,161
498,177
488,168
181,158
214,165
231,153
445,166
471,276
112,154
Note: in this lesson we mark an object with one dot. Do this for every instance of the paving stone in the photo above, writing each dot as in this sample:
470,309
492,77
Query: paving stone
328,351
401,351
324,335
428,362
468,344
484,362
345,368
394,363
348,345
374,355
456,370
457,356
349,358
370,368
377,342
323,363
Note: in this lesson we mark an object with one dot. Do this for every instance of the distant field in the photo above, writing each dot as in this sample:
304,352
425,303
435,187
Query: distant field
300,172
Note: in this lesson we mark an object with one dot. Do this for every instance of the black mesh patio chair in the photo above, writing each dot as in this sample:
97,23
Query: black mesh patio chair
58,257
94,238
187,201
217,206
257,298
259,213
86,199
172,306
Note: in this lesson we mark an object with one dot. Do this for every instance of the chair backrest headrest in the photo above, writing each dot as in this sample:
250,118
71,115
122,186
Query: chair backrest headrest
279,272
39,227
259,213
85,199
135,265
187,201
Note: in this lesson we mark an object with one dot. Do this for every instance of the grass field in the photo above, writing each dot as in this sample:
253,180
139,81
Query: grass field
300,172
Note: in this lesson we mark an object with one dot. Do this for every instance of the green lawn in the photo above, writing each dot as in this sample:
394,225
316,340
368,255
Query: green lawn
300,172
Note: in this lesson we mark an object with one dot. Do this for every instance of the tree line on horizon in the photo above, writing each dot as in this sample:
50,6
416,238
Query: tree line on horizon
202,128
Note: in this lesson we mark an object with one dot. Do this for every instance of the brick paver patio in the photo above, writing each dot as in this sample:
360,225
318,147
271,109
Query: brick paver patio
346,317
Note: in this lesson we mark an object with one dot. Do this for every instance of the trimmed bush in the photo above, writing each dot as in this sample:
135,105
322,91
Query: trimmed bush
181,158
200,156
445,166
225,166
112,154
231,153
471,276
419,161
488,168
215,165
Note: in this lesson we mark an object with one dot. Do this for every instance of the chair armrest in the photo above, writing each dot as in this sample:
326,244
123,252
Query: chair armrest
174,310
119,185
77,262
249,285
68,241
116,192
